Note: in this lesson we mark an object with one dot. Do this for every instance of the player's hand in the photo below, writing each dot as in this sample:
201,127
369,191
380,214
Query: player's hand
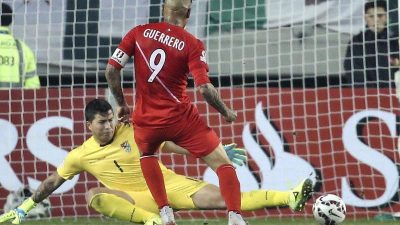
16,215
230,116
236,155
123,114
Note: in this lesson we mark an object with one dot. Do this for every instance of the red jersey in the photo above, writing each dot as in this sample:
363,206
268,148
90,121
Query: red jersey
164,55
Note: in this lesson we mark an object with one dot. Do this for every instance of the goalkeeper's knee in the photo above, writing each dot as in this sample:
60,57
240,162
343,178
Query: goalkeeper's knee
101,203
120,208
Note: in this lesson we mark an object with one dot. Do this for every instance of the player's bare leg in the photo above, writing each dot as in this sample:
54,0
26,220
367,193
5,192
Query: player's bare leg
208,197
229,184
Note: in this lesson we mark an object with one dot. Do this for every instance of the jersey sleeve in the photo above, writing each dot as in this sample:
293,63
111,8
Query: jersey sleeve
198,64
70,166
125,50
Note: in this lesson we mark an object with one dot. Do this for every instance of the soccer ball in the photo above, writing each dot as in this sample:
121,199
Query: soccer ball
14,199
329,210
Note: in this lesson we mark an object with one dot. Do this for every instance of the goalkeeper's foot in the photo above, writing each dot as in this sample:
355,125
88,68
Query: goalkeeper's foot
300,194
154,221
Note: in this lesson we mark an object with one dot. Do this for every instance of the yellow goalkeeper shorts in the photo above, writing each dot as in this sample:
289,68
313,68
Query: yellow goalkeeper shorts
179,190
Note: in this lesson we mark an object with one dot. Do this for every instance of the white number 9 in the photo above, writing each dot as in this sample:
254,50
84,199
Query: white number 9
156,68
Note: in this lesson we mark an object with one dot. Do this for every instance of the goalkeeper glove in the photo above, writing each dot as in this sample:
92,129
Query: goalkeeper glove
18,214
236,155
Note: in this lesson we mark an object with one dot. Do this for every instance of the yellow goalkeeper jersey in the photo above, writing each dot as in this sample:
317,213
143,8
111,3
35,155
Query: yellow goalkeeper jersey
115,165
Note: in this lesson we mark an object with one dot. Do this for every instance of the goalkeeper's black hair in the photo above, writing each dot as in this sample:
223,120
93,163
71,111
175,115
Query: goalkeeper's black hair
96,106
375,4
6,15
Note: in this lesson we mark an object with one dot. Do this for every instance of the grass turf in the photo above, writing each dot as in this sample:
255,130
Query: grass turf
268,221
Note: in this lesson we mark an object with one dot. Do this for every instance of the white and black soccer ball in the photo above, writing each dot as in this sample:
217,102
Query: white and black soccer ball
329,209
14,199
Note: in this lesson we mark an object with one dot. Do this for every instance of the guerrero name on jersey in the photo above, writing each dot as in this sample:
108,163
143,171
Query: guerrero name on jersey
162,65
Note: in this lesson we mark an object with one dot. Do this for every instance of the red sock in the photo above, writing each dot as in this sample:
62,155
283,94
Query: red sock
229,186
154,179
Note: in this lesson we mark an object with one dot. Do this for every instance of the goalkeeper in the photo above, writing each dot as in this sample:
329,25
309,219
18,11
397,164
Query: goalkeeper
112,156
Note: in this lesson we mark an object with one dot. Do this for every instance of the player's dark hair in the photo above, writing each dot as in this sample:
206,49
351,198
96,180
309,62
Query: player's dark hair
96,106
375,4
6,14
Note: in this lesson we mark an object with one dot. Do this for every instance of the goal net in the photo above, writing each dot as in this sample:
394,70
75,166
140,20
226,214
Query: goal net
302,111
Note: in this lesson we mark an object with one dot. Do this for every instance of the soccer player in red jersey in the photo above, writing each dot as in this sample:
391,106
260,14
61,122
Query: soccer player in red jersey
164,55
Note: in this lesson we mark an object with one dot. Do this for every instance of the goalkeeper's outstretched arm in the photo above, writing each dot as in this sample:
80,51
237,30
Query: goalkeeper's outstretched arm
48,186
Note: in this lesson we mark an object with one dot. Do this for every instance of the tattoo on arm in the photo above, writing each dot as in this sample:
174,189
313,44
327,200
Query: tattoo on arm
212,97
113,77
48,186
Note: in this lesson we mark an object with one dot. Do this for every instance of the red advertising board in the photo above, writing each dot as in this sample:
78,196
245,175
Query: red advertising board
347,138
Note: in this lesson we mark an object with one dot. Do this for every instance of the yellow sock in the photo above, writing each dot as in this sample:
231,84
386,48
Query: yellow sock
116,207
260,199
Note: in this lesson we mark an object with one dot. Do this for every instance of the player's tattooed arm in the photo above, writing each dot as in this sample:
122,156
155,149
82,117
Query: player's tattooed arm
113,76
48,186
212,97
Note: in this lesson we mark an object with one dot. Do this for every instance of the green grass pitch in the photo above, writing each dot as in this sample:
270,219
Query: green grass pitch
268,221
